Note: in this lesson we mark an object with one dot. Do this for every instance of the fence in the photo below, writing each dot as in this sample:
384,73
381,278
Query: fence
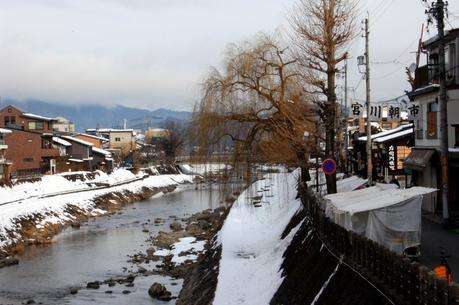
404,281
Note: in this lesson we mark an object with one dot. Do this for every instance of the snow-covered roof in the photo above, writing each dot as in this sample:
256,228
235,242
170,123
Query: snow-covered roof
93,136
387,132
62,141
77,140
101,151
38,117
394,136
108,130
76,160
3,130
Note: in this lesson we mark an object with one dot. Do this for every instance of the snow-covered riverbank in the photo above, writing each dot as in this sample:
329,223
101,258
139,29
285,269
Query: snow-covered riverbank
31,201
251,240
243,261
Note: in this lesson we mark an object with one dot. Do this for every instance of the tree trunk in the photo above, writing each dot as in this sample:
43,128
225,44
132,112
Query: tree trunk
305,177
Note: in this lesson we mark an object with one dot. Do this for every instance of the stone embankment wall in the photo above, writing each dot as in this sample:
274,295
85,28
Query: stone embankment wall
314,275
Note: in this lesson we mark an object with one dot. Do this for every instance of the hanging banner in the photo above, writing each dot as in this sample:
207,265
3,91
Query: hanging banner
414,111
356,110
376,113
392,158
393,112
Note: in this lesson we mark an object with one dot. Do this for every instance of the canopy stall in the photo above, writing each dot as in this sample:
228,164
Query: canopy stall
384,213
350,184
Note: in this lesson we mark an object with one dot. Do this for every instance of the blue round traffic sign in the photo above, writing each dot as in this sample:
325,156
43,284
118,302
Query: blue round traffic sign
329,166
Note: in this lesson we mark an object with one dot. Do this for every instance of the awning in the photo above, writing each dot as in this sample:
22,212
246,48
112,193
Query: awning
418,158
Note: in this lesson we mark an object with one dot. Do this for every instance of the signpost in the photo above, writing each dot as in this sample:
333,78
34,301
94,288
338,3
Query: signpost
329,166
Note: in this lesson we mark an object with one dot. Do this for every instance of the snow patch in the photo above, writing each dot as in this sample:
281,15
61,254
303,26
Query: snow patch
185,244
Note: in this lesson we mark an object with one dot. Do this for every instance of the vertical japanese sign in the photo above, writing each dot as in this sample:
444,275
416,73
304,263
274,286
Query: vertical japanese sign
392,158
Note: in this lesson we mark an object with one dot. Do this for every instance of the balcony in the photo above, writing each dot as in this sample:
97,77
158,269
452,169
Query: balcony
50,153
421,77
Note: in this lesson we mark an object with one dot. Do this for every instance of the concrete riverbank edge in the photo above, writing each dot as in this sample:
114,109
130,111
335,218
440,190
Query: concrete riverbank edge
40,227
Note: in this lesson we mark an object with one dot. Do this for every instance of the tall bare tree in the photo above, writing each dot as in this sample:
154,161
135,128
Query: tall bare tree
257,100
322,30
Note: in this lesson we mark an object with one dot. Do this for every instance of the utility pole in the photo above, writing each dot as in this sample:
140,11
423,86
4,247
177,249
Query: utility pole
367,78
346,118
438,12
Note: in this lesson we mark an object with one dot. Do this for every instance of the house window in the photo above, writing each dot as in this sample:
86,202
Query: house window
450,61
456,135
36,125
433,68
402,153
117,139
10,120
432,127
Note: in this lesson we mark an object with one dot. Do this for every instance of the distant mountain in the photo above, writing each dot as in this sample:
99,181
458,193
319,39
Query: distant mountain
92,116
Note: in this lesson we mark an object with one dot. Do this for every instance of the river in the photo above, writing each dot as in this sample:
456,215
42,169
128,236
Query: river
98,250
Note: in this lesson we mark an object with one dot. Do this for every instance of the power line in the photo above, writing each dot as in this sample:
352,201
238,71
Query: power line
382,12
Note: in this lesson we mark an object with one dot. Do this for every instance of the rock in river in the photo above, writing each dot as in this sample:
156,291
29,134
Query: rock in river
176,226
159,292
93,285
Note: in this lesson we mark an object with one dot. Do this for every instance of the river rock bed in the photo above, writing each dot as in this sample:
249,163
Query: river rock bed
198,229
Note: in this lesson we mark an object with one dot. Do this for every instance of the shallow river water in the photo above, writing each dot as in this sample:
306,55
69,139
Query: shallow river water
98,251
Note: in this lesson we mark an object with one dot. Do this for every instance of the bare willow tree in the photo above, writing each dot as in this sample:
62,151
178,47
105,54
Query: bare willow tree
258,101
322,30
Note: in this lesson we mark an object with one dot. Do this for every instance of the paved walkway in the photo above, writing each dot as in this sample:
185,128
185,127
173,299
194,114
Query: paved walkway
434,239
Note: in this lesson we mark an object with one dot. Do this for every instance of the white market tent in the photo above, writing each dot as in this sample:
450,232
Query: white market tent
384,213
350,184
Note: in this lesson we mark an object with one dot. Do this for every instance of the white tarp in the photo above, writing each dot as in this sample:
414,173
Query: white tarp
350,184
383,213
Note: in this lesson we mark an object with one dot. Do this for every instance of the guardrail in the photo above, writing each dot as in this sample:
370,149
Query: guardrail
404,281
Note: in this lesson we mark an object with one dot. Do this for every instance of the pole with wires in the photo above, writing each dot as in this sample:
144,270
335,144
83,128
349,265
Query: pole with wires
368,103
346,119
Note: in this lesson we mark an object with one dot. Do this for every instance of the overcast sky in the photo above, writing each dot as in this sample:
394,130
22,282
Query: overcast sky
154,53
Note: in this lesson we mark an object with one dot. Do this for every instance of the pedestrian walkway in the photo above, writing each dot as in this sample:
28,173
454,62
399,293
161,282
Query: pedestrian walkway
435,239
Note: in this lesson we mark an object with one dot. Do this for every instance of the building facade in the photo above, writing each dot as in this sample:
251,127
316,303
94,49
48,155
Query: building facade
63,125
424,160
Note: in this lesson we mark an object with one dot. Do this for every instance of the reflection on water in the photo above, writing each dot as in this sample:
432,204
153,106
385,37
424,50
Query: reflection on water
98,251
